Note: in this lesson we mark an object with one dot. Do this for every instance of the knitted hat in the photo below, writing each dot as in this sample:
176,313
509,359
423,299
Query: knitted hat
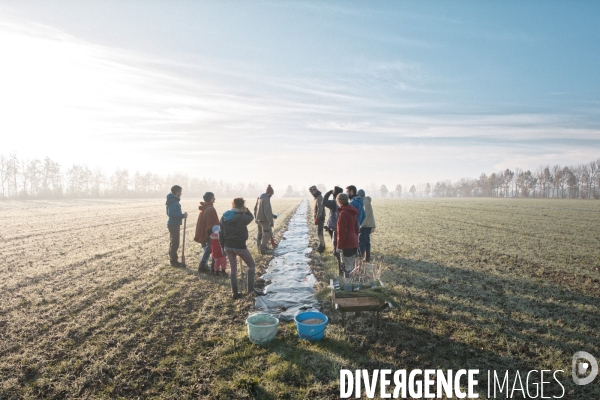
361,193
342,198
313,187
270,190
208,196
216,228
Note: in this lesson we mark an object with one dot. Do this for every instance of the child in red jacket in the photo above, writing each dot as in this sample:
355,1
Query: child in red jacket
217,253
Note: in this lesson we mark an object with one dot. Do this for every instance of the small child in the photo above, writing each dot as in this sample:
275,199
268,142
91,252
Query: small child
219,259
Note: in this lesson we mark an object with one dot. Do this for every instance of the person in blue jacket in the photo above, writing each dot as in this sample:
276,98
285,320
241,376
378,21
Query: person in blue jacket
173,224
357,202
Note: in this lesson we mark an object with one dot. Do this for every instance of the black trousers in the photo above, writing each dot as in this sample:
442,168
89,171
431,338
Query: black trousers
174,242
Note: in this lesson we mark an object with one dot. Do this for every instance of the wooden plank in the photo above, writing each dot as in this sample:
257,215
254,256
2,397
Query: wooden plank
362,308
358,301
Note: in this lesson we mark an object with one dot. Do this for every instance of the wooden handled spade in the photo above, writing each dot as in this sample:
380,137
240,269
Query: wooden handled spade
183,247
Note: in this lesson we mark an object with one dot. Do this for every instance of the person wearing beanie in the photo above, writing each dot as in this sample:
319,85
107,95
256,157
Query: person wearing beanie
264,216
206,220
356,201
319,216
331,225
175,215
366,227
233,235
217,254
347,233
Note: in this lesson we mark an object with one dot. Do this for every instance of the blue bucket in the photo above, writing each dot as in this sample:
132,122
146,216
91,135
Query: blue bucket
311,331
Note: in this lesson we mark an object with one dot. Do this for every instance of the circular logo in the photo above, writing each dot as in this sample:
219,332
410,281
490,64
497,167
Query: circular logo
580,368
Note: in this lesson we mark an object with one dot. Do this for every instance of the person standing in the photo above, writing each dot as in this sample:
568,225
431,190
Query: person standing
206,220
233,237
175,215
319,216
332,220
366,227
347,233
357,202
263,213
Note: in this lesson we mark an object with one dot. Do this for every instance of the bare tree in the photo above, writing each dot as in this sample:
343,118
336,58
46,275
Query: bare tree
398,190
384,191
4,175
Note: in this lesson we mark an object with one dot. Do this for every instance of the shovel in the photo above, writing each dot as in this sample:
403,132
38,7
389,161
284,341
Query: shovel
183,247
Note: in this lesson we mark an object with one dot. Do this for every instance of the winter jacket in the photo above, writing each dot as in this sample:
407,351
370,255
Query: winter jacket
332,206
215,246
173,210
347,228
319,211
234,228
357,202
369,221
206,220
262,209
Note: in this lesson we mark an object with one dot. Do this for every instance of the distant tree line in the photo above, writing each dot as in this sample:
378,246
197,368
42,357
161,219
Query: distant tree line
45,179
571,182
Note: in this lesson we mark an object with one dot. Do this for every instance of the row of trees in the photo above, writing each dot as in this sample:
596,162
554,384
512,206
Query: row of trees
46,179
574,182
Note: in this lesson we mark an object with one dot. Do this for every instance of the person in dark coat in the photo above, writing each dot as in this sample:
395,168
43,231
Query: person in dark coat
319,216
347,233
174,223
233,237
331,225
206,220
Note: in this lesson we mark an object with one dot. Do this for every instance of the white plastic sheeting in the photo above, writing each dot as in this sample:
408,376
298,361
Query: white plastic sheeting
292,285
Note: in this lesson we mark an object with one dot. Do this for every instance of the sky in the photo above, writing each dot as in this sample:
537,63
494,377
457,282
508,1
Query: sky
302,92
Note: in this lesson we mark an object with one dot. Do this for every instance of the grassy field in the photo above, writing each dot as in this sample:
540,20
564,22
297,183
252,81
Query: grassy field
89,307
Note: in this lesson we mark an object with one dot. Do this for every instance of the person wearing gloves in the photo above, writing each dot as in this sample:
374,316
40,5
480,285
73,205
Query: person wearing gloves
366,227
357,202
233,236
173,224
332,220
264,218
206,220
319,216
347,233
220,262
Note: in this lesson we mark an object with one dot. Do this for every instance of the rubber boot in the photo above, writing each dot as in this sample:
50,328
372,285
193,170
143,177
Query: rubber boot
234,287
250,282
264,250
202,267
321,247
367,255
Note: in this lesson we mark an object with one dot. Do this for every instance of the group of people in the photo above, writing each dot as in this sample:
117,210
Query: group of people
223,238
349,225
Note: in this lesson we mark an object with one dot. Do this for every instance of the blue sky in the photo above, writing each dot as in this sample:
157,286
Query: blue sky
302,92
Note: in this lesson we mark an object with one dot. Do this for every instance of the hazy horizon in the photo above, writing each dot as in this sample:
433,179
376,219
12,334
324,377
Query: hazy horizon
300,93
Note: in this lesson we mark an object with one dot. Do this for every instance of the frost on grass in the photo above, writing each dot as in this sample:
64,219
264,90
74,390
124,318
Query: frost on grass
90,308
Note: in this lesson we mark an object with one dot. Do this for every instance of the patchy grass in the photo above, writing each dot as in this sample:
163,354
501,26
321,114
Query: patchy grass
89,307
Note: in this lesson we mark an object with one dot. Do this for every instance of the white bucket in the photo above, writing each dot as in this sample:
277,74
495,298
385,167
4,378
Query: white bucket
261,328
